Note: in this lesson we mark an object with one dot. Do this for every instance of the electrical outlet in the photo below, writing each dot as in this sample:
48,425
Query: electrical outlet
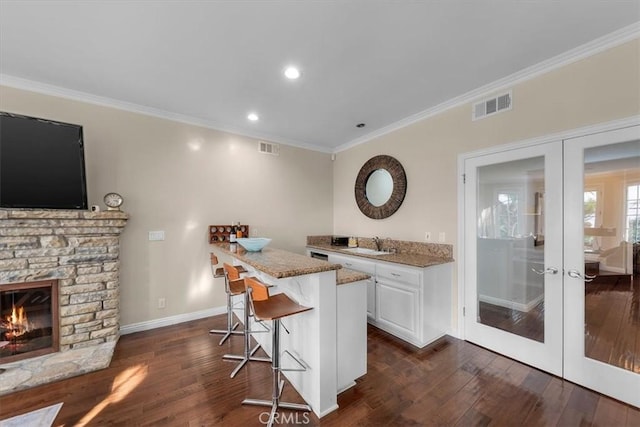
427,236
156,235
162,303
441,237
254,232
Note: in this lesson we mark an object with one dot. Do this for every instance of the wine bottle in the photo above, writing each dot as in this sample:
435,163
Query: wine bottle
234,234
239,233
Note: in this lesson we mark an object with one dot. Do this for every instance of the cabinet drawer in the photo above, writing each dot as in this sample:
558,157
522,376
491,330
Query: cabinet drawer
397,274
353,264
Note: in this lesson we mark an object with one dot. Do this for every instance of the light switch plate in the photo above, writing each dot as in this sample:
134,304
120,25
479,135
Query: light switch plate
156,235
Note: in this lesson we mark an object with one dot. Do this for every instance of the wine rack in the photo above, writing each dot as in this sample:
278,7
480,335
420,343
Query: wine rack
221,233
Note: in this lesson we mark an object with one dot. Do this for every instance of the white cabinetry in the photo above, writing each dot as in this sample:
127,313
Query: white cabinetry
398,300
398,310
362,266
371,298
411,303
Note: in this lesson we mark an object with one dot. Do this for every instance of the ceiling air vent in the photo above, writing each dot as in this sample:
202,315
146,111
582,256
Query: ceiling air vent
491,106
268,148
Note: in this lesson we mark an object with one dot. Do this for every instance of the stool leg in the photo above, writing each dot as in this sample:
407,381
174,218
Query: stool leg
248,351
230,326
276,389
277,384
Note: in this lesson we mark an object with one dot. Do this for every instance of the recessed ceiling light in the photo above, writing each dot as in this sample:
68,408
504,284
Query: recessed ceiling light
253,117
292,73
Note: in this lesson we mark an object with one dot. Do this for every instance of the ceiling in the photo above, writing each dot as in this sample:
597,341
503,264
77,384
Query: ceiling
362,61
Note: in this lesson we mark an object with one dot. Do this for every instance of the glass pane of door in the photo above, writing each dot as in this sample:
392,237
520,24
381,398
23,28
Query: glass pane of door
611,311
510,246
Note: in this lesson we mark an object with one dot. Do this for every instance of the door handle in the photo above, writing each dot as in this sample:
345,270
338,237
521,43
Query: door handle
548,270
575,274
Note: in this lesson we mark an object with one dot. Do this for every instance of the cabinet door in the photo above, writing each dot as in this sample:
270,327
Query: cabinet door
398,308
371,298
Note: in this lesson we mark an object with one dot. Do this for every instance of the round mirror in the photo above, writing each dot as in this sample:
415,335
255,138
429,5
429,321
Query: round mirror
379,187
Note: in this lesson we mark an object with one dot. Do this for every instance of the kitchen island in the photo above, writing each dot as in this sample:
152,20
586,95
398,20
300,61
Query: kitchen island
330,339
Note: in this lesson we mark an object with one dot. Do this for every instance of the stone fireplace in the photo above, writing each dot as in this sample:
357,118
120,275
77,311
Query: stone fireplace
79,252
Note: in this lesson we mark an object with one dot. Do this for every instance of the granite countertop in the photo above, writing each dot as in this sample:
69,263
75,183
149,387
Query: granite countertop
277,263
412,259
345,275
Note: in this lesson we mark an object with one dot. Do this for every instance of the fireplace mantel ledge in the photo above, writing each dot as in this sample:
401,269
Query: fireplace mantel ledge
6,213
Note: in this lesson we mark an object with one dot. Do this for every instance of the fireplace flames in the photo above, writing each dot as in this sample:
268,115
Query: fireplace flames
22,337
17,323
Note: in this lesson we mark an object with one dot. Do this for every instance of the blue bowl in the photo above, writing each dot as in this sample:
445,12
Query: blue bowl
253,244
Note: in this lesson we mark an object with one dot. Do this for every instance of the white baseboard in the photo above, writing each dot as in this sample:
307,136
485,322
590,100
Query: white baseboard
610,269
171,320
512,304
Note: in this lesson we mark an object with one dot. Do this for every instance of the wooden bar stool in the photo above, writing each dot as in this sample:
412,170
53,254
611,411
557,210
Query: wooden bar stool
219,271
238,286
216,271
274,308
231,290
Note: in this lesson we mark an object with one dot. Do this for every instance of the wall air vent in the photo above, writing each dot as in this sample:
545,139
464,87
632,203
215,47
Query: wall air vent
269,148
488,107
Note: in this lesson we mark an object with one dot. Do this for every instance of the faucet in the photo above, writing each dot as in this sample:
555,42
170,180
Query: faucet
378,243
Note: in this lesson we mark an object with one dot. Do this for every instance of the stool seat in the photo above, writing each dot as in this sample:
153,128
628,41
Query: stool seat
277,307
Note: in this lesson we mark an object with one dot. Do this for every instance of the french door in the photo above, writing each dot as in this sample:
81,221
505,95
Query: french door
602,306
548,258
513,254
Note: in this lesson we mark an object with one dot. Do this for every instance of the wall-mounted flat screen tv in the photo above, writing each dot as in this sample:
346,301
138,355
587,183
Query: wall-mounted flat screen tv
41,164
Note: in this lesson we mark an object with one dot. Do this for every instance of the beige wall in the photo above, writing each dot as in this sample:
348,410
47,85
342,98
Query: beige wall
180,178
601,88
613,191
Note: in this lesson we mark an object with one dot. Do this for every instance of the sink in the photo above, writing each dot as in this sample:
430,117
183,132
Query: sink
365,251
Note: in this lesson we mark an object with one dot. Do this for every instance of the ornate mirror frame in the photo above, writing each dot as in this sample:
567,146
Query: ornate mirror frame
399,177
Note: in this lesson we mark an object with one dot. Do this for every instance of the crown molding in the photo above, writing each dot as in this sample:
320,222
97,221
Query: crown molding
62,92
586,50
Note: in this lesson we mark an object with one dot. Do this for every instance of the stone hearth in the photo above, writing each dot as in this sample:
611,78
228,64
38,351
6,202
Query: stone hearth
80,249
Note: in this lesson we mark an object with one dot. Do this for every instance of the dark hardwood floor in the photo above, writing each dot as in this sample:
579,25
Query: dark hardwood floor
612,320
175,376
526,324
